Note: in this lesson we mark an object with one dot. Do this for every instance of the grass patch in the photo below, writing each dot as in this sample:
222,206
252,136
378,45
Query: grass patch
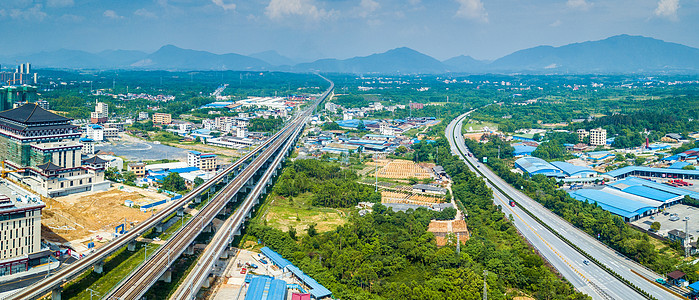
281,212
116,268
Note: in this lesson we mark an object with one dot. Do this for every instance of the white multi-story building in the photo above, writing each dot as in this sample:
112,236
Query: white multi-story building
242,128
598,137
100,114
143,116
95,132
88,146
208,124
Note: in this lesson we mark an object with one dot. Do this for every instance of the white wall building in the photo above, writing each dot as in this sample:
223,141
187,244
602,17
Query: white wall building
95,132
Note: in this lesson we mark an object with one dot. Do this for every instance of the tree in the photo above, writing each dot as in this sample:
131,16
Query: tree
198,181
174,182
129,176
401,150
655,226
292,232
689,167
311,230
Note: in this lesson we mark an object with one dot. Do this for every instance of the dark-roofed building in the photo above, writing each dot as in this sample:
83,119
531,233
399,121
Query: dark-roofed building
45,147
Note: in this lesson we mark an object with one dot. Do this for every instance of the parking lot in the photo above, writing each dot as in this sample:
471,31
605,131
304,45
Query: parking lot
666,225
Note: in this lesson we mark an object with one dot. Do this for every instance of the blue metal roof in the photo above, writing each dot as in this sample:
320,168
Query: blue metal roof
523,150
354,123
264,288
650,193
632,181
629,169
617,205
317,291
679,165
671,158
184,170
535,165
571,169
694,286
275,257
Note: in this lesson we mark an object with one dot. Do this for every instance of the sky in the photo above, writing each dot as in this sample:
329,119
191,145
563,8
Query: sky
311,29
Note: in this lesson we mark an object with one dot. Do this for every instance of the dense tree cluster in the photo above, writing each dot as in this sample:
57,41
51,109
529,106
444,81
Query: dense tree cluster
391,255
265,125
331,185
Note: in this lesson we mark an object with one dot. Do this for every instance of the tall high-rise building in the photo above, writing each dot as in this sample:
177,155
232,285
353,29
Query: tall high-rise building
20,235
101,113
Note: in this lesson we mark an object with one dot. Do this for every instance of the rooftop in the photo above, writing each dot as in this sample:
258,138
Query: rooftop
535,165
617,205
31,114
571,169
629,169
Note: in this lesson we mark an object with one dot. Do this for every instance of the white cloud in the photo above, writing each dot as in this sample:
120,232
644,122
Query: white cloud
667,9
229,6
33,13
579,4
367,7
278,9
72,18
60,3
556,23
142,12
111,14
472,9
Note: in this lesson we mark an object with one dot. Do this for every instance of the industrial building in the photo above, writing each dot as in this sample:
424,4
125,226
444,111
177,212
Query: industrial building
573,171
266,288
314,288
534,165
633,198
653,172
598,137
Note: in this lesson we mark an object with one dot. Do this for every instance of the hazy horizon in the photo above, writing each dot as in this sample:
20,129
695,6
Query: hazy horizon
314,29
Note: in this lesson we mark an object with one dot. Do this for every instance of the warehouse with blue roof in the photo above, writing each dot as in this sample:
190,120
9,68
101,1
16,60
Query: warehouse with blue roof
670,190
629,209
653,172
316,290
574,171
523,150
266,288
534,165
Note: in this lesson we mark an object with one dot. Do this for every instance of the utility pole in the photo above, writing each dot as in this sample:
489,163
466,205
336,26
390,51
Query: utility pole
93,293
376,179
145,252
485,285
686,237
498,151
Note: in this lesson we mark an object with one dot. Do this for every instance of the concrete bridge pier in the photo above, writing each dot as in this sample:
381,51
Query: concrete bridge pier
207,282
224,255
180,212
99,267
197,199
189,250
131,246
167,276
56,293
159,227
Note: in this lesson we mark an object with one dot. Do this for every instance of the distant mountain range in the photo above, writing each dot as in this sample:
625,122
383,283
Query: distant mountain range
617,54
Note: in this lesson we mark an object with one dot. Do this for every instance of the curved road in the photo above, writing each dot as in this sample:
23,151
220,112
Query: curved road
587,278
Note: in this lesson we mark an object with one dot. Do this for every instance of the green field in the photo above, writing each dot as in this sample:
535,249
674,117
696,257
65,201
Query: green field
281,213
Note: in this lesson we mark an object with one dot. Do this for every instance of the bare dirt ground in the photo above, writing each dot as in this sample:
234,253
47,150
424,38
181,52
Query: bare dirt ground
84,215
196,147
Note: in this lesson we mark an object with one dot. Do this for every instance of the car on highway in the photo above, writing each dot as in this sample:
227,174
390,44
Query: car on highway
243,271
661,281
512,203
587,262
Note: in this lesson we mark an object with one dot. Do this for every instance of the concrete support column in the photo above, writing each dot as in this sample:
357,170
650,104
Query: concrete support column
189,250
207,228
197,199
180,212
99,267
224,255
159,227
131,246
56,293
167,276
207,282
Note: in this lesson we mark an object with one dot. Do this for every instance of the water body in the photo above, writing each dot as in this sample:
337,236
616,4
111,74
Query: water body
141,150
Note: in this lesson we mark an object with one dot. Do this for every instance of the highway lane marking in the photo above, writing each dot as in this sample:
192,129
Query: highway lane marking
594,286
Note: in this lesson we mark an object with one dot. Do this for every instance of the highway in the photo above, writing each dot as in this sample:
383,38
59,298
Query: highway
142,278
590,278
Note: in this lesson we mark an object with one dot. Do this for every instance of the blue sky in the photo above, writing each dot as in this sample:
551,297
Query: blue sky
311,29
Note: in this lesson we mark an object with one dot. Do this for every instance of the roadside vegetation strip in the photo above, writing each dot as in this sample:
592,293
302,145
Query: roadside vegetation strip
588,256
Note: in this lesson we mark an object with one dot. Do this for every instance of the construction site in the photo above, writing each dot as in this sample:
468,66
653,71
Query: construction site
449,231
402,169
93,216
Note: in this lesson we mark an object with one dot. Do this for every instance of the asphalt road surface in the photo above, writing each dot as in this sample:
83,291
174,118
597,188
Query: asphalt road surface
587,278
